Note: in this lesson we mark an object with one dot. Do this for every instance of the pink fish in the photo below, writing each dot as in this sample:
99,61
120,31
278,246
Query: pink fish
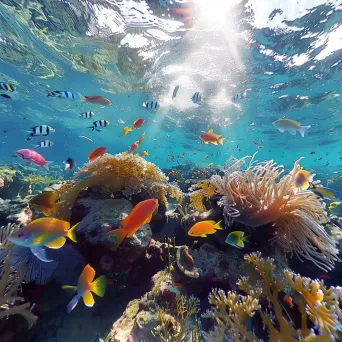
33,157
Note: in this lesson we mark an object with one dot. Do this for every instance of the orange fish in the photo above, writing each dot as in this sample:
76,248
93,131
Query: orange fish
97,99
212,138
98,152
204,227
85,286
140,215
133,147
141,139
45,202
126,130
288,300
138,123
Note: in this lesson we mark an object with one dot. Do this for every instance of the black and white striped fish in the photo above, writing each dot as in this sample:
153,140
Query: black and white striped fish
6,86
87,115
197,98
99,124
61,94
41,130
239,96
153,105
44,143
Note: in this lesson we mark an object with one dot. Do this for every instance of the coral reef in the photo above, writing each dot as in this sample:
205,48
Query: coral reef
314,302
15,211
124,172
185,262
202,190
260,195
10,302
7,173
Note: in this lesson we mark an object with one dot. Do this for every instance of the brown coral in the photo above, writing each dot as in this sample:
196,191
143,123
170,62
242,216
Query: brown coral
202,190
124,172
259,195
315,303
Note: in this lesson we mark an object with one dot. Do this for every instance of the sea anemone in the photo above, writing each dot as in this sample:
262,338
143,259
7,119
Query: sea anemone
260,194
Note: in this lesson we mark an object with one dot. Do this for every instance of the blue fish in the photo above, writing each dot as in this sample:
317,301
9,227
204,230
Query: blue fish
236,239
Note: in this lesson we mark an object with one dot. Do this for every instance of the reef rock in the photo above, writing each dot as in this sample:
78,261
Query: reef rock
140,319
98,218
15,211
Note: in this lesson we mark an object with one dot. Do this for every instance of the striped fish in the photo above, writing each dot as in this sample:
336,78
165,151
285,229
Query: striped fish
99,124
61,94
6,86
41,130
87,115
153,105
44,143
197,98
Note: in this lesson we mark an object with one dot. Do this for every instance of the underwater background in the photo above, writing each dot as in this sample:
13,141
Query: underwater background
185,67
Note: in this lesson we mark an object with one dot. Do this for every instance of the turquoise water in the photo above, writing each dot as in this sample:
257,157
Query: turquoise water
289,66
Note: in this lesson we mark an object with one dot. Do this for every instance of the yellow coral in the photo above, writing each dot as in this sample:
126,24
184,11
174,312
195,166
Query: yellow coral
205,191
124,172
7,173
315,303
259,194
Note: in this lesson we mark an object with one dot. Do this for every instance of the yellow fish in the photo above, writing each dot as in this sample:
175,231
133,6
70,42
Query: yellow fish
126,130
144,154
45,202
85,286
236,239
204,227
302,180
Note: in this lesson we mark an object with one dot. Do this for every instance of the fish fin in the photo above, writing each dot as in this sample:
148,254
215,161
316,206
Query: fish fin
73,303
245,238
72,232
34,146
117,235
68,287
203,235
99,286
303,130
46,211
206,142
55,206
214,142
209,221
239,243
88,299
148,220
211,131
40,253
220,141
81,97
92,128
56,244
292,131
87,275
281,130
218,225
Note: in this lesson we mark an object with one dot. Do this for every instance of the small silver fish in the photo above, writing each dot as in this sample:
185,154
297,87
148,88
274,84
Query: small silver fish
86,138
175,91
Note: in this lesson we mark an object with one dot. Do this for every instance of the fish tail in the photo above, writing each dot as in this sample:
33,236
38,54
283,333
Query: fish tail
98,286
34,146
220,141
218,225
117,235
245,238
303,130
72,232
82,97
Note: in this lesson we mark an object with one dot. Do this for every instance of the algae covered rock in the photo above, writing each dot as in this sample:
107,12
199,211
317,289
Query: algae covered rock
102,216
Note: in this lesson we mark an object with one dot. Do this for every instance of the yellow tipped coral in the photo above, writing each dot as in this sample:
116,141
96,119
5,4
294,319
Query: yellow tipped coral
315,303
205,190
259,194
7,173
124,172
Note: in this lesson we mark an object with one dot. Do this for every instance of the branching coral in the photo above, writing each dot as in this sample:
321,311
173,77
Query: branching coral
171,330
124,172
259,195
10,302
315,303
202,190
7,173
